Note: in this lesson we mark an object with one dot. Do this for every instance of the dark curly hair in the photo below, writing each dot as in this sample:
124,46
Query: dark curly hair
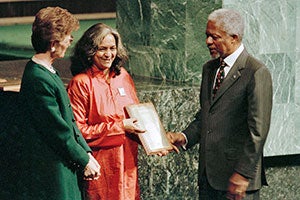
87,46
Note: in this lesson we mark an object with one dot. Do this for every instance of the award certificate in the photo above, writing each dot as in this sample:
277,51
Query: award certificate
154,139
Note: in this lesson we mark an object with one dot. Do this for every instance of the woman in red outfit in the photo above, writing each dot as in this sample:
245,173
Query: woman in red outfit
99,91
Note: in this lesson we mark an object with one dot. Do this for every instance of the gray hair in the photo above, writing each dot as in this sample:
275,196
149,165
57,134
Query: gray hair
88,44
230,20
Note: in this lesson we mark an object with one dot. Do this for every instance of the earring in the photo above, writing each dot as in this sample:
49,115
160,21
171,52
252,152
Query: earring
52,49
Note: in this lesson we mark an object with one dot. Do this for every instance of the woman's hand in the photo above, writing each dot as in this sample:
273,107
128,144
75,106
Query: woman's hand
131,126
92,169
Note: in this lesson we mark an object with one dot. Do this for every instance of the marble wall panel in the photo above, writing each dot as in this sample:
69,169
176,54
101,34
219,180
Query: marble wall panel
271,35
175,175
195,47
270,24
176,27
283,136
168,24
133,21
282,68
297,5
164,64
297,75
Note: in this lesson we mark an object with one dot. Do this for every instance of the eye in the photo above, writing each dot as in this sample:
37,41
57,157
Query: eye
101,49
214,37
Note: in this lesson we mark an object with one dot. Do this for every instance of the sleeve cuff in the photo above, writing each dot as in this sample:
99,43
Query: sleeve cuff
186,140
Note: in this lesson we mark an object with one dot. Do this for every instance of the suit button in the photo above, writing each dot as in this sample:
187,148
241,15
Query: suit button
209,131
73,120
69,105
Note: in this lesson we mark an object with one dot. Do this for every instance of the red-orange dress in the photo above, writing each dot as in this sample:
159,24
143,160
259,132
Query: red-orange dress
99,110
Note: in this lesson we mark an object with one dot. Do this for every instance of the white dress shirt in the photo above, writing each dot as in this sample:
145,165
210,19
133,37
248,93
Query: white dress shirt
230,60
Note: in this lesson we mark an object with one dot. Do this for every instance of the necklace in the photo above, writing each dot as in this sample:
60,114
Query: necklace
44,64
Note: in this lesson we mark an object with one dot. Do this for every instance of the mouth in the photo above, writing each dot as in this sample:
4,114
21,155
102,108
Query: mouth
213,51
106,60
211,48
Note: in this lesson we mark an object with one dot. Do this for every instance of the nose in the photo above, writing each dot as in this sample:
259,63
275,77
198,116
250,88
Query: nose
69,44
107,53
209,40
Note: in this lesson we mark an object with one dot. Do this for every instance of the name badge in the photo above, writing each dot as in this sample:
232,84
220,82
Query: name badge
122,91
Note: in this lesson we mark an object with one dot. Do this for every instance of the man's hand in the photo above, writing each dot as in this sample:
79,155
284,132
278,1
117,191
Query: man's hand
237,187
163,153
131,126
92,169
176,139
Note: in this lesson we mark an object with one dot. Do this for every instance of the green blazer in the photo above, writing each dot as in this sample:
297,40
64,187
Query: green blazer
53,149
232,128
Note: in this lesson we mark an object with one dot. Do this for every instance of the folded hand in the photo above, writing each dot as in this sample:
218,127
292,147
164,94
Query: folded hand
92,169
237,187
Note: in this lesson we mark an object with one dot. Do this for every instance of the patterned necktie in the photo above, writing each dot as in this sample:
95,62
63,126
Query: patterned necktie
220,77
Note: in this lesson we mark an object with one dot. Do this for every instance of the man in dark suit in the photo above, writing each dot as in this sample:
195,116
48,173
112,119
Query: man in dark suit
234,119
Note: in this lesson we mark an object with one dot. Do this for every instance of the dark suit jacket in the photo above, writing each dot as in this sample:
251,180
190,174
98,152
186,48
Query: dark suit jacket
232,128
53,149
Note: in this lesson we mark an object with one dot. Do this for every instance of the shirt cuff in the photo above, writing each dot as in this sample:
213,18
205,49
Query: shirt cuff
186,141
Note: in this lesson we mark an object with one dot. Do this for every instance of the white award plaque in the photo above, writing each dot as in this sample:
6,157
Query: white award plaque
154,139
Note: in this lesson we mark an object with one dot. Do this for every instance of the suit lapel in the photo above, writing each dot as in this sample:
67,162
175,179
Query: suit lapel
232,76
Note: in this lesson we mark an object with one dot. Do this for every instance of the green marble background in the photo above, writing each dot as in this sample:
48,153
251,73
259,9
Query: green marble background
173,176
272,35
166,40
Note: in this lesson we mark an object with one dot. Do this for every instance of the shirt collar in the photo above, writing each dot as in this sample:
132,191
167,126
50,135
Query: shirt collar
95,71
44,64
230,60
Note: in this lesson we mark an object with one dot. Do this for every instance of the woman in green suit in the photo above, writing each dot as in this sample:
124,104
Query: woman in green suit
54,153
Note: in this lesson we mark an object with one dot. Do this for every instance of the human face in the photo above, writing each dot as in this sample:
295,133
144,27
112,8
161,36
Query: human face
218,41
106,53
62,46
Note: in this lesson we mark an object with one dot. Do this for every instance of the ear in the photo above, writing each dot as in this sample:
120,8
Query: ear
52,47
236,38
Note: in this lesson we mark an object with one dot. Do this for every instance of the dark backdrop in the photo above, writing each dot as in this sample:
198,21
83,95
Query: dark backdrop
30,8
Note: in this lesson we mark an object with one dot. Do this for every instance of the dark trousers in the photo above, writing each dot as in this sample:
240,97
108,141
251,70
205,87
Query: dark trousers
206,192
